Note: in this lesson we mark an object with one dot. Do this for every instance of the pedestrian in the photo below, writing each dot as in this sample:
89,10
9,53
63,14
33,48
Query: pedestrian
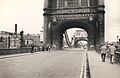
32,51
112,51
46,47
103,53
49,47
43,49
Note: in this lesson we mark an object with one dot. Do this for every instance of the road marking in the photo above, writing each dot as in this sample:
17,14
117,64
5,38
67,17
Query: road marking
83,67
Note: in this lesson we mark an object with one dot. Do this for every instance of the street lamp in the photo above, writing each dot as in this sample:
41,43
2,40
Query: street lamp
91,18
54,20
118,40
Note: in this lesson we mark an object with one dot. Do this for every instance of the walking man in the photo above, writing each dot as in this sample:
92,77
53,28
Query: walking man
103,53
112,51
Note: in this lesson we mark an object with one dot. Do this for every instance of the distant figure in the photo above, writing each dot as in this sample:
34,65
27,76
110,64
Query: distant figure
46,47
49,47
112,51
32,51
103,53
54,46
43,48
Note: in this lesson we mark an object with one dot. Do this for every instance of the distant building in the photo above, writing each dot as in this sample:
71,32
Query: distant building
3,39
12,40
9,40
15,41
32,39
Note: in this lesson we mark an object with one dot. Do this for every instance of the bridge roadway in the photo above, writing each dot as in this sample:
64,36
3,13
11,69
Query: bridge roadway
54,64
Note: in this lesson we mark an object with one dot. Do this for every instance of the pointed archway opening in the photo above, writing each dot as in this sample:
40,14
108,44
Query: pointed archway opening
75,38
64,26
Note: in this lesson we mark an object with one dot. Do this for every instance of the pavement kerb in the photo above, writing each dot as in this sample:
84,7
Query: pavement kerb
83,67
18,55
14,55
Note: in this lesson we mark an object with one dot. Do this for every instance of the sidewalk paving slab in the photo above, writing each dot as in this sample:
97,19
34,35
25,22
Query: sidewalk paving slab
99,69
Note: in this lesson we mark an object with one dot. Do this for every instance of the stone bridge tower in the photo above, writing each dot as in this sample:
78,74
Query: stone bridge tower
60,15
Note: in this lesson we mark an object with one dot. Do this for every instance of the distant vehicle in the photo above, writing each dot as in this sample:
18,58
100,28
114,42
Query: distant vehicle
65,46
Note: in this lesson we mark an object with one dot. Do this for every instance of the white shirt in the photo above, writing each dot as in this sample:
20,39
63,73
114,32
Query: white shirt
103,49
112,50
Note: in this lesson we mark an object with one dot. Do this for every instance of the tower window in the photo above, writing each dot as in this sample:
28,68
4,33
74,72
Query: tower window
84,2
68,3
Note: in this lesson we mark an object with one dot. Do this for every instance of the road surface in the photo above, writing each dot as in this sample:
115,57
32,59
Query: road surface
54,64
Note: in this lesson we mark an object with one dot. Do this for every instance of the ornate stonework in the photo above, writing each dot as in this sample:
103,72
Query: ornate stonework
60,15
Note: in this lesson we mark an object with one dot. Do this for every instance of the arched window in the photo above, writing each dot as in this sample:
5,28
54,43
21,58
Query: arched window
84,2
61,3
68,3
72,3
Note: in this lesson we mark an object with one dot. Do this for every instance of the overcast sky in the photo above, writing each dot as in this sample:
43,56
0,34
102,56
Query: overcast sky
112,19
28,15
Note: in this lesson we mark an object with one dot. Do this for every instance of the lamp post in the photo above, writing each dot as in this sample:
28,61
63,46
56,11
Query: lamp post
118,40
90,18
54,20
91,21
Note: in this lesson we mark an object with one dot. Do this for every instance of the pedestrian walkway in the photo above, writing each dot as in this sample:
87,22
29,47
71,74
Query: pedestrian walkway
20,54
99,69
14,55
